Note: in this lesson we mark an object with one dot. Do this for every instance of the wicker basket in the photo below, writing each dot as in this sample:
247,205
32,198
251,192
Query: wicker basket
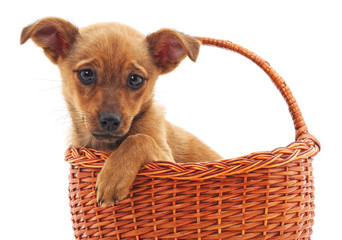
264,195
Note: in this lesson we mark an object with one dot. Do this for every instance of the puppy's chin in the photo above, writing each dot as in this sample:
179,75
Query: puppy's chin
107,138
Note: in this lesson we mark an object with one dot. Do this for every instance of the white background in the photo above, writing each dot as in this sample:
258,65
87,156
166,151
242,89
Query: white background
224,99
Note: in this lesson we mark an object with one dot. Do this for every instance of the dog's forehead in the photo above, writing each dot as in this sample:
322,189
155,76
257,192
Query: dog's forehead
109,42
110,35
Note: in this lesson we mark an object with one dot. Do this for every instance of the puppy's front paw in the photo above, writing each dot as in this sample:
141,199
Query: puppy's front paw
113,185
123,165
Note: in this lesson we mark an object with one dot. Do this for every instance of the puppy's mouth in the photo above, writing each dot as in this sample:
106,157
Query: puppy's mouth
107,137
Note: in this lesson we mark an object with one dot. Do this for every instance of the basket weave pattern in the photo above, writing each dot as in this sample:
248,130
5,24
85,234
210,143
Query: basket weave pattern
263,195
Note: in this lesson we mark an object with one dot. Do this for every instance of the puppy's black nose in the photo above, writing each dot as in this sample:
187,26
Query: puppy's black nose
109,121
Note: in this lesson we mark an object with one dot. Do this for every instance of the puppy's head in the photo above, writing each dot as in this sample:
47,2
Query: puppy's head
109,71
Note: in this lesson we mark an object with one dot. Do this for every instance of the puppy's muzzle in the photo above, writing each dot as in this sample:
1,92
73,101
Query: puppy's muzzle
109,121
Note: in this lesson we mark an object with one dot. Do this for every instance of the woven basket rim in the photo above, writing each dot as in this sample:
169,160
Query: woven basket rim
305,148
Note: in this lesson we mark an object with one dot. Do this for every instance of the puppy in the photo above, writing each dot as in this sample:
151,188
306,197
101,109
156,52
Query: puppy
109,71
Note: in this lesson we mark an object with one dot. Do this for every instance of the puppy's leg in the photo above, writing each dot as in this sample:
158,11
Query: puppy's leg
122,166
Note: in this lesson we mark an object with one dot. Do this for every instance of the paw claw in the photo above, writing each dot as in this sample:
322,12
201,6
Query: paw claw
100,202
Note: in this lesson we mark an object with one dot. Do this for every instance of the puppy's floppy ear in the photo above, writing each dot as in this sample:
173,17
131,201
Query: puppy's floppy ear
169,48
54,35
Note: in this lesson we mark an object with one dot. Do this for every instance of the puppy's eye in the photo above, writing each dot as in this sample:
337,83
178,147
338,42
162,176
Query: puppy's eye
86,76
135,81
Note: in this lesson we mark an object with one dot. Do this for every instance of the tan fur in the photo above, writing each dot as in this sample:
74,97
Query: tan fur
114,51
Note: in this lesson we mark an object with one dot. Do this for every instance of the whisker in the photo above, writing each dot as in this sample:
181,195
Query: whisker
50,88
56,82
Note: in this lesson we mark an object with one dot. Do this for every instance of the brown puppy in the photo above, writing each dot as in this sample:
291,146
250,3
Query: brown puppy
109,71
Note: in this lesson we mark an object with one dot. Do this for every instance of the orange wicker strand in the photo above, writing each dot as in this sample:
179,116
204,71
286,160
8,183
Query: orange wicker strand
263,195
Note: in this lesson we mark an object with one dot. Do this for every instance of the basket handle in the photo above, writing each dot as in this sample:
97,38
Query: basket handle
297,117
